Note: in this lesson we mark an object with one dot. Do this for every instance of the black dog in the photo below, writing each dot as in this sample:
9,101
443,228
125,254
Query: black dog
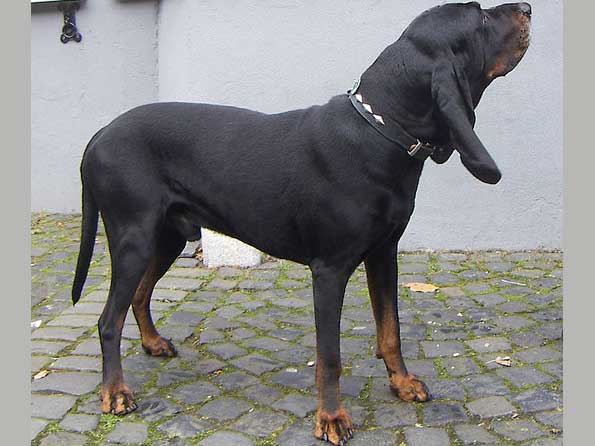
329,186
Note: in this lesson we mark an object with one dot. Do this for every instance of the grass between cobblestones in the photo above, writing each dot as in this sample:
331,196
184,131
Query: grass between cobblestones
509,299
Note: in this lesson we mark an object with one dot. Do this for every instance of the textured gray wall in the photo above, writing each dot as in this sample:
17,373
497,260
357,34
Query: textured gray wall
76,88
278,55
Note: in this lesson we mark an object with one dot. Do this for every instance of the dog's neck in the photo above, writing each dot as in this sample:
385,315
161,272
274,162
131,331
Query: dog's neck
394,92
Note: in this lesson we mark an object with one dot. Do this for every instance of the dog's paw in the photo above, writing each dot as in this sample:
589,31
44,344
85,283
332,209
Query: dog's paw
117,401
409,388
336,428
160,347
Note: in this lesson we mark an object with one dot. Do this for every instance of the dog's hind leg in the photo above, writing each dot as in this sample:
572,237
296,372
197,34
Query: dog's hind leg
131,248
169,246
381,270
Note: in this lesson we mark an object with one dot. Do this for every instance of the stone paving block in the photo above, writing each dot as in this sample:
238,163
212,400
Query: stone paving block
208,336
491,407
82,307
426,436
294,378
74,320
126,433
514,306
297,434
256,364
79,423
235,380
58,333
52,407
483,385
509,323
74,383
208,366
395,415
523,376
266,343
226,438
63,439
537,354
448,333
552,418
373,437
439,413
442,279
477,288
224,408
168,295
545,442
179,283
92,347
86,363
37,426
489,300
185,318
450,389
433,349
226,350
460,366
527,339
470,434
517,430
368,367
185,426
550,330
195,392
490,344
421,367
537,399
178,333
37,362
154,409
259,423
299,405
260,393
297,356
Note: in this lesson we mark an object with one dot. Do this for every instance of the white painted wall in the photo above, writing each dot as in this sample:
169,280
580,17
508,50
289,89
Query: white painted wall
274,55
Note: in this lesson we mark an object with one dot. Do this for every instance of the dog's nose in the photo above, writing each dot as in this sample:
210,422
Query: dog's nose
525,8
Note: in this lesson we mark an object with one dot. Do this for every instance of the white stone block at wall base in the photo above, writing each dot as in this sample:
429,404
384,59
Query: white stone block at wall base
221,250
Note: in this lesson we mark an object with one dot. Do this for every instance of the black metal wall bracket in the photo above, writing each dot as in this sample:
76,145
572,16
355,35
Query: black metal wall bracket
69,30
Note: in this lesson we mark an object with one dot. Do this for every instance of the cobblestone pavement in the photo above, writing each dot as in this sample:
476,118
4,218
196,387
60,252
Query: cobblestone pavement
246,336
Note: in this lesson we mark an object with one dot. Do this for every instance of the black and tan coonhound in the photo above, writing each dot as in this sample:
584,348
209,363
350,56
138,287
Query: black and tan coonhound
327,186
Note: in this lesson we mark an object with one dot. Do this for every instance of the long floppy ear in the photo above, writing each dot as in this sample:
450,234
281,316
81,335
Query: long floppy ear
452,96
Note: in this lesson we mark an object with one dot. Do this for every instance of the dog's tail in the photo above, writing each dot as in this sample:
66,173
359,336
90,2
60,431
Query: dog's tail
90,218
88,233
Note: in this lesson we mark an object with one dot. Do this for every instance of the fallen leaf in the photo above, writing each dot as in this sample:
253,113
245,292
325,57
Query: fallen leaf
505,361
421,287
36,324
502,360
41,374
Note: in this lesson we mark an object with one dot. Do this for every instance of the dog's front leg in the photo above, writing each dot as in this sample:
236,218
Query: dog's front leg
381,270
332,422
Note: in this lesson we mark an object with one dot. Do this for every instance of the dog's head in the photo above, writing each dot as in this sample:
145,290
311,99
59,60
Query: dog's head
464,49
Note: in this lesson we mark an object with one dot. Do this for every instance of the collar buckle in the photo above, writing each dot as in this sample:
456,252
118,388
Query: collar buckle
414,149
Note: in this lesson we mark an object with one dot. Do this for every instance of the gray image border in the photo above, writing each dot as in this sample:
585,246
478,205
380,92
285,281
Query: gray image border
579,306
